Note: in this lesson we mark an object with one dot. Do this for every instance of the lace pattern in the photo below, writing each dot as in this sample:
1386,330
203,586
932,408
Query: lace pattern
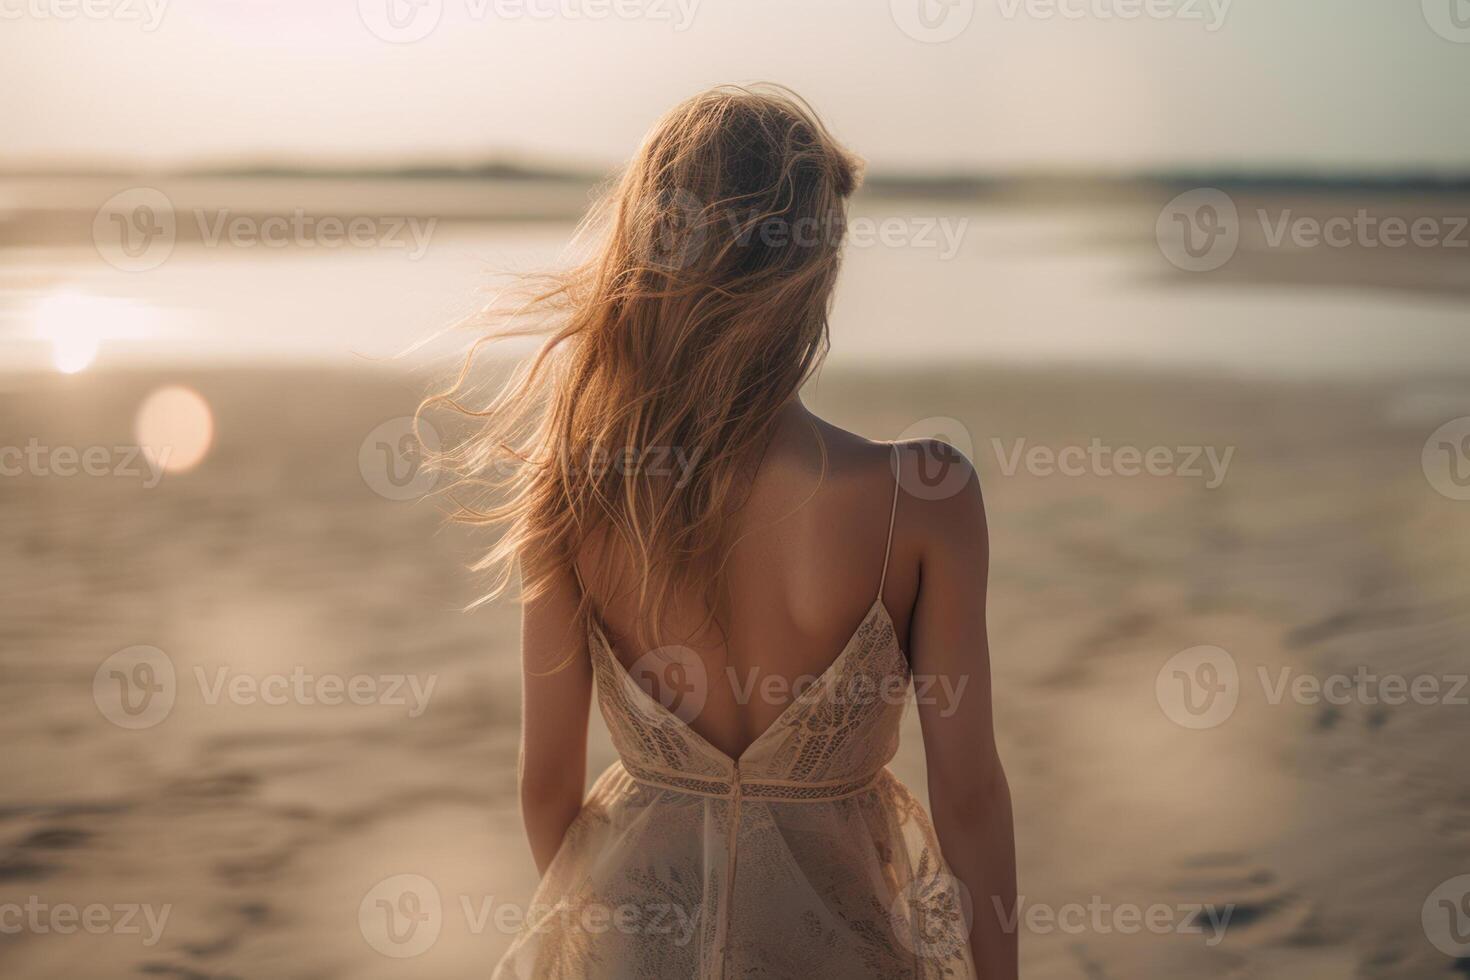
806,858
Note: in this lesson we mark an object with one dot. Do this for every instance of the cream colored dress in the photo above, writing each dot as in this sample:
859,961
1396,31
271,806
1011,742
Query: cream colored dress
805,858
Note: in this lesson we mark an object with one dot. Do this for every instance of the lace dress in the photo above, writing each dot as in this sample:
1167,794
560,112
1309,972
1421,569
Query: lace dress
804,858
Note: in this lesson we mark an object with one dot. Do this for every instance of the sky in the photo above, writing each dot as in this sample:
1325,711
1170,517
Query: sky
912,85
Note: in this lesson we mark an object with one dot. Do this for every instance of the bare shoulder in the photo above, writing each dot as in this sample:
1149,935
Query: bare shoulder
940,495
943,502
855,462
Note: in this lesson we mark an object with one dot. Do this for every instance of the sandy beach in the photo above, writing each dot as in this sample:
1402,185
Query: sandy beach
1187,280
247,838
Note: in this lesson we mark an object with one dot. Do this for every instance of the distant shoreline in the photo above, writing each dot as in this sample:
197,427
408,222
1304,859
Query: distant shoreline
931,183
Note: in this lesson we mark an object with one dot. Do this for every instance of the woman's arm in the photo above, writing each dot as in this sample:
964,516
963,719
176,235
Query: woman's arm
557,693
948,647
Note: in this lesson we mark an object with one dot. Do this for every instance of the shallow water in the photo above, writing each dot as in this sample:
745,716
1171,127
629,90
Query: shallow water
928,280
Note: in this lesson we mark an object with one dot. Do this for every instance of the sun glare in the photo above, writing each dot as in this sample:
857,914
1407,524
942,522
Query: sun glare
76,324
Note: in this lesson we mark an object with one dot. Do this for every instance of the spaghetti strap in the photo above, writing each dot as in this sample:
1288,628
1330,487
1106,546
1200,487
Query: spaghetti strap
892,514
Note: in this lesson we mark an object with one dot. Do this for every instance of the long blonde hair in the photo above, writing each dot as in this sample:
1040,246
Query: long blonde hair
701,311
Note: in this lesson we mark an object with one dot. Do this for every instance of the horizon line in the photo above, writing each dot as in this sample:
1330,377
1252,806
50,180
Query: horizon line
512,168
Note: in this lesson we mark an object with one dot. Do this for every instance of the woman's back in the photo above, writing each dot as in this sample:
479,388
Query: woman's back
751,807
810,543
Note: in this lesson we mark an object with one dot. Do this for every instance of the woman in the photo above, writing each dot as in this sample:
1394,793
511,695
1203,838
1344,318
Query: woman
748,588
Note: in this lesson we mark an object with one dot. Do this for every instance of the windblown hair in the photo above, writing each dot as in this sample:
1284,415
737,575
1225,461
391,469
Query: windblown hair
701,310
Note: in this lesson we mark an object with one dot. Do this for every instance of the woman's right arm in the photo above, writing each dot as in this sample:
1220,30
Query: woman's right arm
557,695
949,649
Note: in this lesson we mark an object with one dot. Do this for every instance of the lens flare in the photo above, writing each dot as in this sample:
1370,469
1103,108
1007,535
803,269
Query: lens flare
175,428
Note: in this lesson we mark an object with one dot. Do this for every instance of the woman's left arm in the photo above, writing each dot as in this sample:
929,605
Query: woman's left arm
968,793
557,693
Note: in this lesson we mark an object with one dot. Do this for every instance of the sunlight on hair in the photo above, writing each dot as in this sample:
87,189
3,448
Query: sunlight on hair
699,308
175,428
